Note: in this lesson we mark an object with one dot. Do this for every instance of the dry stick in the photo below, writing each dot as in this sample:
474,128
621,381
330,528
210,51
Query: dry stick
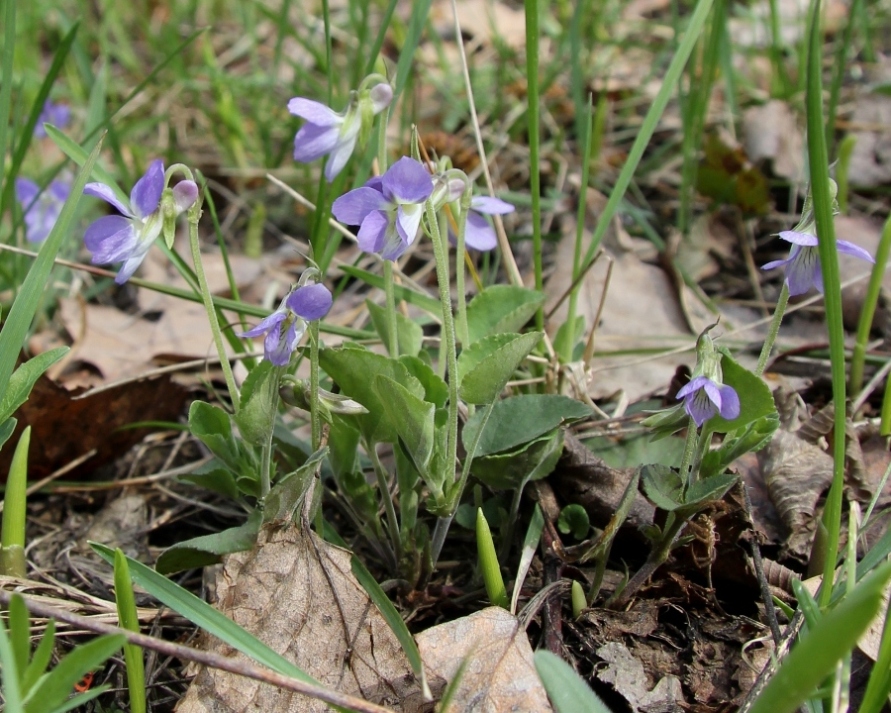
224,663
769,609
513,272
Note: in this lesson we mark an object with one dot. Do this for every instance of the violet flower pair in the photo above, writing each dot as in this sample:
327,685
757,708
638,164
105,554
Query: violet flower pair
41,207
388,210
126,238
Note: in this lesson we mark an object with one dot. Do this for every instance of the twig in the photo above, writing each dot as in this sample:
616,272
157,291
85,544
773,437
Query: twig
224,663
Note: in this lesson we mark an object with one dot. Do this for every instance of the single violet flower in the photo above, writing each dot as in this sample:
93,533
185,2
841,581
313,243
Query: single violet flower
42,208
803,264
478,233
703,398
56,114
285,327
387,208
328,133
127,238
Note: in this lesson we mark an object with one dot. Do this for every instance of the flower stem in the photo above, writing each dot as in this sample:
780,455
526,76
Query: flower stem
689,451
392,326
448,329
207,298
389,509
658,555
463,330
314,408
773,330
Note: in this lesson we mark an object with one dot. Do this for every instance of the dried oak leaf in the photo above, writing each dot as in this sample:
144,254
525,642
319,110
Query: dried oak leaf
66,425
500,675
297,594
797,473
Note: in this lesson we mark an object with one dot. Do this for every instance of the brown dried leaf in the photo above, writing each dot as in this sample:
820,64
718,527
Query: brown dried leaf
626,674
797,473
500,675
772,133
68,424
296,593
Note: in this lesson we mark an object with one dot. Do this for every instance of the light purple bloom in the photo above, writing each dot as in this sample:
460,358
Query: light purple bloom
387,208
803,264
328,133
478,234
285,327
42,208
56,114
127,238
703,398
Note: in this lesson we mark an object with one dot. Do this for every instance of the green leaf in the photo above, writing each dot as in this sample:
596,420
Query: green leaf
287,494
519,419
631,451
259,403
501,308
23,379
662,486
354,369
831,638
706,489
491,364
128,619
531,461
755,399
7,428
567,690
41,659
204,615
755,437
412,417
574,520
436,391
53,690
213,427
215,478
488,559
20,634
208,549
409,333
12,691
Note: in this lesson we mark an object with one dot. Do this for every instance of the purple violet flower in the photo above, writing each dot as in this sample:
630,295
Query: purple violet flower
387,208
42,208
703,398
327,132
803,264
285,327
56,114
127,238
478,233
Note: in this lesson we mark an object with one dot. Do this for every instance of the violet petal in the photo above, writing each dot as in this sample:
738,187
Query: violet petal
26,191
792,236
490,205
314,141
729,403
407,181
267,323
311,302
185,193
112,238
478,234
352,207
314,112
848,248
339,156
146,194
373,231
100,190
